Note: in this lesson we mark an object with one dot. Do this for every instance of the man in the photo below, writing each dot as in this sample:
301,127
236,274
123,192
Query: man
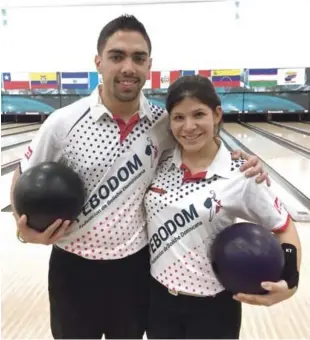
99,265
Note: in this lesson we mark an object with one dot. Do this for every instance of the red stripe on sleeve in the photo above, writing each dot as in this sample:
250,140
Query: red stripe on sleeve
285,225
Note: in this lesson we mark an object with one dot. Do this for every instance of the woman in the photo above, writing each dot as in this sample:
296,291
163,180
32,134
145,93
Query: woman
196,193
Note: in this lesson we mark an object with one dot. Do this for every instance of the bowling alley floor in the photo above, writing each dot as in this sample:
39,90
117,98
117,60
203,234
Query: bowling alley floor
25,309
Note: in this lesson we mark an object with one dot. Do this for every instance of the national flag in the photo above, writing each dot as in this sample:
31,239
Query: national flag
226,78
174,75
93,80
148,83
163,79
16,81
188,73
204,73
155,79
74,80
43,80
167,78
225,72
295,76
263,77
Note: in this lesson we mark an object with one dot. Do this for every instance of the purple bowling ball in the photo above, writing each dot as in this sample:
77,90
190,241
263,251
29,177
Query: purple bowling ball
244,255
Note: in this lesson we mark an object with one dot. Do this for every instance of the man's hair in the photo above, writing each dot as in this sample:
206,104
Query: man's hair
123,23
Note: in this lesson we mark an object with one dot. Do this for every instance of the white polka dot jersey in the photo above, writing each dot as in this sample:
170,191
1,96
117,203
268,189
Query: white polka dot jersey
116,161
185,213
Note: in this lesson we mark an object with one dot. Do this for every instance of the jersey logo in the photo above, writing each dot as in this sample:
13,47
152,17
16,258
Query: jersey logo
214,205
151,150
158,190
28,153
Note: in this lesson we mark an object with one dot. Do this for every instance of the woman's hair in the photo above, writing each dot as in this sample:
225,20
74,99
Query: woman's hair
197,87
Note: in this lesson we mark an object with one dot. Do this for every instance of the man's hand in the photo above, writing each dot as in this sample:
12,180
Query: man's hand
277,292
254,165
52,234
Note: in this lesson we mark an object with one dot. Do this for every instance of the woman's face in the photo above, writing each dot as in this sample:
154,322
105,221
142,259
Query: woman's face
193,124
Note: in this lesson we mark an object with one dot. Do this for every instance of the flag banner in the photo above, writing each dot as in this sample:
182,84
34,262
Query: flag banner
188,73
16,81
263,77
43,80
295,76
204,73
163,79
74,80
226,78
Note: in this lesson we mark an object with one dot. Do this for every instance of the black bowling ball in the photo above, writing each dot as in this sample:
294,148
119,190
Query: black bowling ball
47,192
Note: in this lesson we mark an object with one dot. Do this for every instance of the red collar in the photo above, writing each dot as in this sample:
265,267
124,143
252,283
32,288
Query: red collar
188,176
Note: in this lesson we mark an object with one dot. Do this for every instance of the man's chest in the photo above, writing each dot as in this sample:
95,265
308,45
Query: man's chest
97,150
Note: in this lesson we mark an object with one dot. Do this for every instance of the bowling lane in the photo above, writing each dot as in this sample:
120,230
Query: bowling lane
14,125
292,136
297,210
5,181
15,139
290,165
20,130
13,154
298,125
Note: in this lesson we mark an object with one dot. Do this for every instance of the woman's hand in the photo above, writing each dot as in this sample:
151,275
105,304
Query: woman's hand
277,292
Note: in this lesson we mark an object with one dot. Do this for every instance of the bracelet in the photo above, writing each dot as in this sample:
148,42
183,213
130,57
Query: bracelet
19,237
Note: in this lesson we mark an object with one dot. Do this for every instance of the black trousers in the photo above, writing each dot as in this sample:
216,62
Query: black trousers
187,317
89,298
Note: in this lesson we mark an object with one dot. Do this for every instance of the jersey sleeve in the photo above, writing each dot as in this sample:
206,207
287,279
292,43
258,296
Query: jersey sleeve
262,206
45,146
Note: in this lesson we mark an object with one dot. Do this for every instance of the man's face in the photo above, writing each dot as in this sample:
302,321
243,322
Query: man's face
124,64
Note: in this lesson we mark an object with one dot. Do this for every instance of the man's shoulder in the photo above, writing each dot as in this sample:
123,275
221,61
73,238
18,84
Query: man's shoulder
157,111
63,118
156,107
